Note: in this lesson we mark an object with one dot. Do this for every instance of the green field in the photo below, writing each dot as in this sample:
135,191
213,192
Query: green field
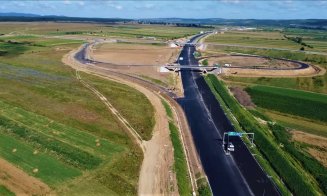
159,32
59,127
253,38
316,39
132,104
295,177
300,103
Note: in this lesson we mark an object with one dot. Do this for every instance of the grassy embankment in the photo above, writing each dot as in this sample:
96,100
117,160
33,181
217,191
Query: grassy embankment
293,174
51,122
180,164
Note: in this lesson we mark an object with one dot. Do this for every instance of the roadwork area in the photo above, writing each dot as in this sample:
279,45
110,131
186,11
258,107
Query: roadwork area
141,59
19,182
156,175
256,66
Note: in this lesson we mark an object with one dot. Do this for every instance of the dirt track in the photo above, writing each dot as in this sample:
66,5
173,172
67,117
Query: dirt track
156,176
19,182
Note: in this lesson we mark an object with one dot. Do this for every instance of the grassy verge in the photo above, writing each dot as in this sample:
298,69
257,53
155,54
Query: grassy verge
5,192
294,176
180,164
300,103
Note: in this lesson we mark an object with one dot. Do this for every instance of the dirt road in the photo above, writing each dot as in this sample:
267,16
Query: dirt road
156,175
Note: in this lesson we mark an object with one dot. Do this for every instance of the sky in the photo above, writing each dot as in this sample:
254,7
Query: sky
229,9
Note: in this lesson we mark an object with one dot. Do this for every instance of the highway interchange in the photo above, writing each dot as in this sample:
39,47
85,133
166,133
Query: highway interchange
235,174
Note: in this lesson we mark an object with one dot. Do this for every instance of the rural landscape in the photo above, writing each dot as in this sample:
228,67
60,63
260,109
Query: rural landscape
162,105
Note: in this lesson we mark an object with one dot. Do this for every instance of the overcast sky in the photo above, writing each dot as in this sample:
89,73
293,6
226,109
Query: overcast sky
235,9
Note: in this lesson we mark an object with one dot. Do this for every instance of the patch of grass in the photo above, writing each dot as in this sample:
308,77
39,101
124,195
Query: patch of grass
309,163
10,48
203,187
295,177
301,103
132,104
180,165
5,192
51,170
154,80
297,123
167,108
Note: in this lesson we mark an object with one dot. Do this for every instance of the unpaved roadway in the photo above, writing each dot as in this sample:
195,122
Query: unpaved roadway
156,175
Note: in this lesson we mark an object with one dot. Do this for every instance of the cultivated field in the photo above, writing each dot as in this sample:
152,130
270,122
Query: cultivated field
60,136
56,130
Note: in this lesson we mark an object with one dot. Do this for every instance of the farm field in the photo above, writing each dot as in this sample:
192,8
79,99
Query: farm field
273,39
55,129
300,103
102,30
313,40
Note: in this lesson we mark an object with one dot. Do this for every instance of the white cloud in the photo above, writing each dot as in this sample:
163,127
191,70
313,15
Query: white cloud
67,2
115,5
231,1
81,3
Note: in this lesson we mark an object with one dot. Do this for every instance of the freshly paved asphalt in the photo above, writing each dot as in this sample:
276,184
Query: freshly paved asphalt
235,174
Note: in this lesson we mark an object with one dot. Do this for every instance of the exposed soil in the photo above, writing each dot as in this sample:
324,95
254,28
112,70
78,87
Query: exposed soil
320,153
138,59
250,67
242,96
156,175
252,61
19,182
134,54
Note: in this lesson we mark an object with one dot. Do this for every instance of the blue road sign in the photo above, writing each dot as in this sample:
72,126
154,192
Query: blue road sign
234,134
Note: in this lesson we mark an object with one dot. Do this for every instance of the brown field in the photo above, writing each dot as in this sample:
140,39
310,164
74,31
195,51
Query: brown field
251,61
249,64
318,143
140,59
134,54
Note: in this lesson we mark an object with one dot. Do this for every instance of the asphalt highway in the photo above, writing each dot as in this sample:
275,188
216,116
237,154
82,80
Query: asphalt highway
235,174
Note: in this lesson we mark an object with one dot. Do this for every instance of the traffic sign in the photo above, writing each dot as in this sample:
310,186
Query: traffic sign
234,134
